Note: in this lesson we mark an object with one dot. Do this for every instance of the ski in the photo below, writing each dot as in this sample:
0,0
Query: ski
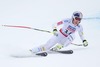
64,51
42,54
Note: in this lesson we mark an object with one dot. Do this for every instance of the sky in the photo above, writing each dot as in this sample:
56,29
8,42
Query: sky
42,14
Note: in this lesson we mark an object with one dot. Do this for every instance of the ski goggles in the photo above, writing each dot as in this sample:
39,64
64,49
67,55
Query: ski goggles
77,18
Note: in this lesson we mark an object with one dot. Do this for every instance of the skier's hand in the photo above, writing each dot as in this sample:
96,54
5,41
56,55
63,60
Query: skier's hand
85,43
55,31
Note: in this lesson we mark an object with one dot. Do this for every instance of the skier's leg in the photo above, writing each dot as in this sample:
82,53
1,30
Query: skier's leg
51,42
64,42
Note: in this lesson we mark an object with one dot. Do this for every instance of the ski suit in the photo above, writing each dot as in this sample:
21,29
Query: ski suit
65,35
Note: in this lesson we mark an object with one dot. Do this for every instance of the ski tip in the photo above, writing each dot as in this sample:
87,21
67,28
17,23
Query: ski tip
66,52
44,54
71,51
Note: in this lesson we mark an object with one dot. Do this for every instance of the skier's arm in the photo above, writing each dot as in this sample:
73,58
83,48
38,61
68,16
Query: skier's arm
54,27
57,24
85,43
60,23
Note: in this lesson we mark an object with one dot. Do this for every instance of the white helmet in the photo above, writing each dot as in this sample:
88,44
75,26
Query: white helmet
77,14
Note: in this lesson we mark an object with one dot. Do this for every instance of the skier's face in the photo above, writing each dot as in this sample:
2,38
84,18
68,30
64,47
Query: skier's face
76,21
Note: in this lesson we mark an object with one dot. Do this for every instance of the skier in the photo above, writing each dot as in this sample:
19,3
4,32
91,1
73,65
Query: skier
65,35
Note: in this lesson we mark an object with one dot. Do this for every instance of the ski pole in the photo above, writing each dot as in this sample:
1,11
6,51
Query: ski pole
26,28
77,44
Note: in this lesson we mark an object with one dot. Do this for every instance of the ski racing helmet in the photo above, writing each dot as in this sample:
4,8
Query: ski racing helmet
77,15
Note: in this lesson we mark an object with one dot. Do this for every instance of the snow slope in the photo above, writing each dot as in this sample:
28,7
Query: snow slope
42,14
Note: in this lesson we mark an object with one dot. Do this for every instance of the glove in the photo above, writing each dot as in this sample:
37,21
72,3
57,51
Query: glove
56,48
85,43
55,32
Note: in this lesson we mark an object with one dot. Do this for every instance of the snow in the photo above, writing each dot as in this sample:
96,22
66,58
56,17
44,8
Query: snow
42,14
